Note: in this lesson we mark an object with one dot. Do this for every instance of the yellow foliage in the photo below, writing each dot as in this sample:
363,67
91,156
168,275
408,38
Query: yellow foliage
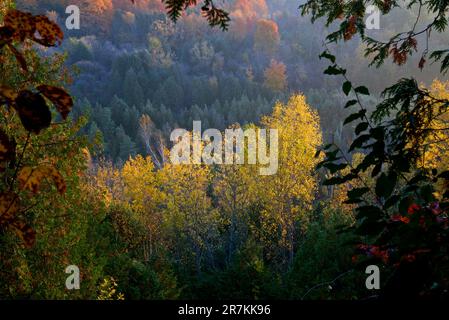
108,290
289,193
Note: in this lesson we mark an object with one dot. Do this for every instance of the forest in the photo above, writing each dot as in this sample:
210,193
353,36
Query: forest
87,179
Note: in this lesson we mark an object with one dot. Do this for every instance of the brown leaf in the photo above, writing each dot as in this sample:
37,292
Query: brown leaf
7,147
23,24
31,178
6,35
59,97
19,57
422,62
33,111
9,206
50,33
24,231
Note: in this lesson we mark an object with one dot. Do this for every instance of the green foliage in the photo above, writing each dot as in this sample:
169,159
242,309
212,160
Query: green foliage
396,225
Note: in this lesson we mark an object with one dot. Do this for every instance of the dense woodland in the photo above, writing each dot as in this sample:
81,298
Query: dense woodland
97,190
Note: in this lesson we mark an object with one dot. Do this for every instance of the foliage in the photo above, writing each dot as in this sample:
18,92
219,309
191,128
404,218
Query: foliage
23,99
403,225
108,290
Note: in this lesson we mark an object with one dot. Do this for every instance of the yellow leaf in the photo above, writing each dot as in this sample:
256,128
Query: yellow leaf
31,178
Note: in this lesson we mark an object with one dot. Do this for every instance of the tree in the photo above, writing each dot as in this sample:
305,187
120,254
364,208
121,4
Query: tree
275,76
287,202
153,140
404,228
266,37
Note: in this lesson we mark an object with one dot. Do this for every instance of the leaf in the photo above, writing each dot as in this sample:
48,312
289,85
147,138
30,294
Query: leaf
333,167
50,33
347,86
25,232
385,184
350,103
354,116
7,147
362,90
8,94
19,57
334,70
338,180
370,227
369,212
376,169
31,178
444,175
9,206
59,97
392,201
33,111
357,192
327,56
362,126
6,35
359,141
22,23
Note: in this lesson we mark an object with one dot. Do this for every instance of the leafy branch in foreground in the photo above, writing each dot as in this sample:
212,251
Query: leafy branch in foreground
29,103
400,46
404,225
214,15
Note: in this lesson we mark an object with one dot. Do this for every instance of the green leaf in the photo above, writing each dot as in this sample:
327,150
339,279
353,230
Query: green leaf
327,56
354,116
362,90
391,201
369,212
385,184
334,70
362,126
350,103
376,169
333,167
357,192
338,180
347,86
358,143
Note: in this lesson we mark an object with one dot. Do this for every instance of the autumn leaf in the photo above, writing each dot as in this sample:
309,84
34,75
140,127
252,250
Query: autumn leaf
59,97
422,62
31,178
50,33
9,206
33,111
6,34
8,94
19,57
23,24
24,231
7,147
